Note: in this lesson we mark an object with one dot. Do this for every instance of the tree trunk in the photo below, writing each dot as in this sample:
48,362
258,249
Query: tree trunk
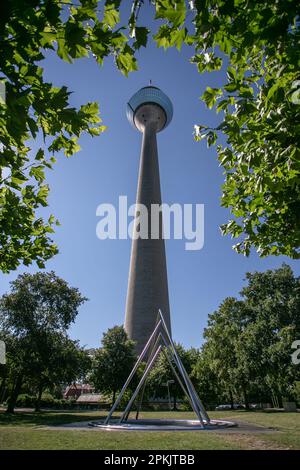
231,399
2,389
174,402
246,399
12,400
38,398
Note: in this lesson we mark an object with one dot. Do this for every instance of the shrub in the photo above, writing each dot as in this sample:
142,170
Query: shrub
26,401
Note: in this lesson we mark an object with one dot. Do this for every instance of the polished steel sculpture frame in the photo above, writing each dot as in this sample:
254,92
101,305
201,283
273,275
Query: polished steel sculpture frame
160,341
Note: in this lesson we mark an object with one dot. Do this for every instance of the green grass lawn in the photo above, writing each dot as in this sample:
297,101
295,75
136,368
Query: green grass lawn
29,430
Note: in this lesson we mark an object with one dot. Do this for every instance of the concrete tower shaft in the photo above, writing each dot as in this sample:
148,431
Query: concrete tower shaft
148,282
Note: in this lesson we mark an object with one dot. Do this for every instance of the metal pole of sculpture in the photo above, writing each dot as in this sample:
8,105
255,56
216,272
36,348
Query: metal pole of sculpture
131,401
192,392
141,357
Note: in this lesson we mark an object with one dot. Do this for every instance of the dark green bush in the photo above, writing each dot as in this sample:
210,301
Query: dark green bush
29,401
26,401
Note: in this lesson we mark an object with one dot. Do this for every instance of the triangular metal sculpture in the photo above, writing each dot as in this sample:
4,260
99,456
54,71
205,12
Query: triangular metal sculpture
160,341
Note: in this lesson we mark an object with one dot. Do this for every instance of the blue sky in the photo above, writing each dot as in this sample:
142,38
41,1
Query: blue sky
107,167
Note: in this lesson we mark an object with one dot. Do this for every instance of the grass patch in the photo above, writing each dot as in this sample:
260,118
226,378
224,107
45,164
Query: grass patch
46,418
28,430
20,438
288,425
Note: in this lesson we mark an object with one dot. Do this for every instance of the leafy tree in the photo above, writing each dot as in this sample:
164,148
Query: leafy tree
257,43
53,360
162,373
113,362
273,300
35,108
223,335
34,318
207,384
61,361
260,107
248,341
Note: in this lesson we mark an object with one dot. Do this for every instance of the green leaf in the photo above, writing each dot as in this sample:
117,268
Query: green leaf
232,86
90,109
18,178
51,219
223,105
62,50
33,127
231,73
207,62
246,91
211,138
174,11
273,90
40,263
178,37
95,131
126,61
71,147
198,132
38,173
210,96
141,36
42,195
40,154
111,16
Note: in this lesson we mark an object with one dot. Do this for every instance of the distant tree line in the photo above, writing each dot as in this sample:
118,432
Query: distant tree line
245,358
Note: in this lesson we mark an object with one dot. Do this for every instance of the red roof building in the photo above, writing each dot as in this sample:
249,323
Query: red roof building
76,390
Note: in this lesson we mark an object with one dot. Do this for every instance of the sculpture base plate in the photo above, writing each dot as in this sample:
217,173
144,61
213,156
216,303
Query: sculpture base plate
163,425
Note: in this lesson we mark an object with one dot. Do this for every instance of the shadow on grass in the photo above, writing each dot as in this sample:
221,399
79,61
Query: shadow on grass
46,418
58,417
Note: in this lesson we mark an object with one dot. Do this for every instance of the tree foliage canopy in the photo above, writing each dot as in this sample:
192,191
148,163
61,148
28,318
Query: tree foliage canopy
249,342
162,379
256,43
260,108
113,361
34,318
35,108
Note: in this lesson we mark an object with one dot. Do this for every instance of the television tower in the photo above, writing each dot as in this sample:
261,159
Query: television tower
150,111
